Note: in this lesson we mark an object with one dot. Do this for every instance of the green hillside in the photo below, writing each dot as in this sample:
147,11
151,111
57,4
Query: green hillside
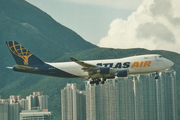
50,41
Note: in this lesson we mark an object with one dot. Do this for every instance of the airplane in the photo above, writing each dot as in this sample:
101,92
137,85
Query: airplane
95,70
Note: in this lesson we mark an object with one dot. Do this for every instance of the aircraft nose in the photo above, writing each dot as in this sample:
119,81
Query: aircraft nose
169,63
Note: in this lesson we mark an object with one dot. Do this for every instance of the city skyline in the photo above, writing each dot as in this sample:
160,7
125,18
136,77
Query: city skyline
136,97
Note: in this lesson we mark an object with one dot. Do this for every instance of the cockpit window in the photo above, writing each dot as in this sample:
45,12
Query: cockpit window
160,56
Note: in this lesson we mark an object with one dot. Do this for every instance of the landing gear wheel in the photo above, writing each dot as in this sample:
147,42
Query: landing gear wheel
156,76
102,82
98,80
97,83
91,82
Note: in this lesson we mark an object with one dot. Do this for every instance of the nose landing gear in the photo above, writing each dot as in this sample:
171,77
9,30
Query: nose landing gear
156,76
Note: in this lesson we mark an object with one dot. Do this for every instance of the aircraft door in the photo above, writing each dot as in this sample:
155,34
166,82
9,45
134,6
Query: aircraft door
158,61
157,58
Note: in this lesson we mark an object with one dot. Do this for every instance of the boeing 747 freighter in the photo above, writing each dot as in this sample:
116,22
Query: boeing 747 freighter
97,70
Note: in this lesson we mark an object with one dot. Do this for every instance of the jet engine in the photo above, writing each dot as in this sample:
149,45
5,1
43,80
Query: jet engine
105,70
121,73
115,72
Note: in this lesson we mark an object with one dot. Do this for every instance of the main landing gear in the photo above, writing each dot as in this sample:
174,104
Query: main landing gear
103,80
156,76
92,81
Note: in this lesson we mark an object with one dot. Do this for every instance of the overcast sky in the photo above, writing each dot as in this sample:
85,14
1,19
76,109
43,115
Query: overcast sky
150,24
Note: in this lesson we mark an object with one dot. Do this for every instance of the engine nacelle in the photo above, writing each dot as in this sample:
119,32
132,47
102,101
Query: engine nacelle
121,73
104,70
113,72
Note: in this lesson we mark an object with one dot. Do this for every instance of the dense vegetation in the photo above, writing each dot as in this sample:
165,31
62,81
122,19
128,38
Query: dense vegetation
50,41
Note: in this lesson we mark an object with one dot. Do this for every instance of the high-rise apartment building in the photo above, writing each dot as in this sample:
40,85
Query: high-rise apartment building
73,103
23,104
37,101
15,98
37,93
9,108
4,109
13,111
43,101
138,97
166,96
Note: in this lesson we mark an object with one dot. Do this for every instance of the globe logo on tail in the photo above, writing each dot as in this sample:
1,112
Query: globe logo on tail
19,51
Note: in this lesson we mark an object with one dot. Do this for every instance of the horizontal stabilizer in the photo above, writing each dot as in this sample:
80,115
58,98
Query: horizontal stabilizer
22,67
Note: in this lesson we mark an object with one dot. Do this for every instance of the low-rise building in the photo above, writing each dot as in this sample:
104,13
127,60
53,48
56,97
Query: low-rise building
36,115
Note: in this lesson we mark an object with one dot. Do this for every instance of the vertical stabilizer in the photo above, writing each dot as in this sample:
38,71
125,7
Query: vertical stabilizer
22,55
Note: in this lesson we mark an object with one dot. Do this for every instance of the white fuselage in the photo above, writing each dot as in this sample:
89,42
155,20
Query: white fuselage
134,65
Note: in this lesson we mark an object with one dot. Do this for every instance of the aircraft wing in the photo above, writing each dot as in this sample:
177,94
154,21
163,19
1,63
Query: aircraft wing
86,66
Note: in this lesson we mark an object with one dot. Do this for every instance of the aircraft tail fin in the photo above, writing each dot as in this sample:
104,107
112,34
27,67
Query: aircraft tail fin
22,55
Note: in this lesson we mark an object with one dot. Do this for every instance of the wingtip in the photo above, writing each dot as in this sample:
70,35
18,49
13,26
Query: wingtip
73,59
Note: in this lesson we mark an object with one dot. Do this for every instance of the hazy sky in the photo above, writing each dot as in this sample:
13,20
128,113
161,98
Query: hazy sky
150,24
